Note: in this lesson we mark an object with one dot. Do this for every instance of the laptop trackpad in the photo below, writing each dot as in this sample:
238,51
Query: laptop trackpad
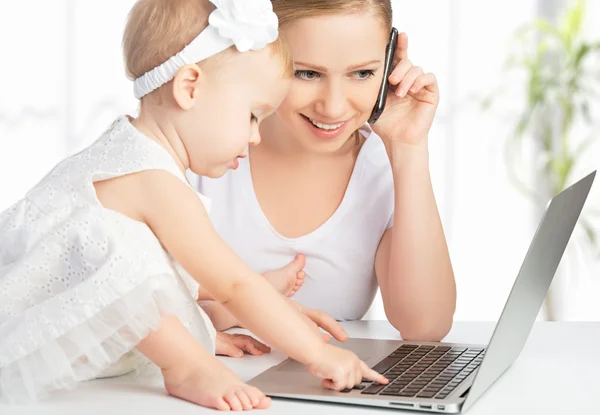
292,366
368,350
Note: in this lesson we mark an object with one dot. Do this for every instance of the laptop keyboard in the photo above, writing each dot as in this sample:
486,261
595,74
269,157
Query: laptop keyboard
424,371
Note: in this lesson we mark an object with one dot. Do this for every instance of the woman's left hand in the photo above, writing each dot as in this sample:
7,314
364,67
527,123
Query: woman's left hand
235,345
321,320
411,105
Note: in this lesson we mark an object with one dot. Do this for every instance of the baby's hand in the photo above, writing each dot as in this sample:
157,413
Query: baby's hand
234,345
342,369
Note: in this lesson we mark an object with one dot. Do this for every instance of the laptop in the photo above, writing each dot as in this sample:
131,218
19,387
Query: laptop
447,377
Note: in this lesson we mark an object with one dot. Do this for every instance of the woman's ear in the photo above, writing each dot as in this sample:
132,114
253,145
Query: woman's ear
185,85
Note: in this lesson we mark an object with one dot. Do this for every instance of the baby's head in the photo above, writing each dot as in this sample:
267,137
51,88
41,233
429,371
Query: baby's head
212,106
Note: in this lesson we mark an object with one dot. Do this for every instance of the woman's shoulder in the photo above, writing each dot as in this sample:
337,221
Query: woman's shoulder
373,157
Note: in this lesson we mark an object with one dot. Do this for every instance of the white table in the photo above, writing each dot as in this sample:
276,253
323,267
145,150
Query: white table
557,373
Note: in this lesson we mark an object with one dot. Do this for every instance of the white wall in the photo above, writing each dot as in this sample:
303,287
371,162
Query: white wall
62,82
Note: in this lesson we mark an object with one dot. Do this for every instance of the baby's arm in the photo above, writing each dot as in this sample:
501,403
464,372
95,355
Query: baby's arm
178,218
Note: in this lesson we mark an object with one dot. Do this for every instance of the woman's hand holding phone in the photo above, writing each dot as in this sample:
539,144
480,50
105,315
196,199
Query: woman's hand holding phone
411,101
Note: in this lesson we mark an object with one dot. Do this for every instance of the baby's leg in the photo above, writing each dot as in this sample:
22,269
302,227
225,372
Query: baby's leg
193,374
286,280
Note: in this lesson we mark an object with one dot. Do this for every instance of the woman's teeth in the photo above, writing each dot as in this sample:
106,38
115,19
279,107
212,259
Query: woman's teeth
326,126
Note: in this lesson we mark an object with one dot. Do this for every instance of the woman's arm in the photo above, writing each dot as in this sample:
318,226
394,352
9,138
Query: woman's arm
412,262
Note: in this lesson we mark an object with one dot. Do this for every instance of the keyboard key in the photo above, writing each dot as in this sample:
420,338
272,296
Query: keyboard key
393,389
452,371
426,395
389,393
385,365
373,389
360,387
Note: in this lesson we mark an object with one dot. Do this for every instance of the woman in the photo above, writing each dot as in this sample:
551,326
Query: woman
356,202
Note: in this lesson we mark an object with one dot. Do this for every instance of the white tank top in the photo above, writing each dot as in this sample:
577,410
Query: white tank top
340,255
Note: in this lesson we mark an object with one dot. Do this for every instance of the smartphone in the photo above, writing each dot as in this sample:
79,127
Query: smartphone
390,51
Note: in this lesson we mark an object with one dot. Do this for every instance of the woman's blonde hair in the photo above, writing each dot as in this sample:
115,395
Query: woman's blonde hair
290,10
158,29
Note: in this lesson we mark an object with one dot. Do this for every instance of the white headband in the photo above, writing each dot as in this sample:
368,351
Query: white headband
247,24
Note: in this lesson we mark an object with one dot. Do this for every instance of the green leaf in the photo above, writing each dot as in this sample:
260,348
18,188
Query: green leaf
585,112
595,45
583,50
544,26
522,124
576,17
571,24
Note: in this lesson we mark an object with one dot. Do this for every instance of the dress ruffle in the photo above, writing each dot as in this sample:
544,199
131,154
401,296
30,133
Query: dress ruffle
91,348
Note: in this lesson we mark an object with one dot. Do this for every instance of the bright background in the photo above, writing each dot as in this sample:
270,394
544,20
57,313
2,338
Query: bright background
62,82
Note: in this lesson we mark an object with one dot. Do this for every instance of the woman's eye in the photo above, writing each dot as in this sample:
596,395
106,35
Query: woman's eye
364,74
307,75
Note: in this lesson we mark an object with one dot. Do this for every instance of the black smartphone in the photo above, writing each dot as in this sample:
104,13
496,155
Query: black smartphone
390,52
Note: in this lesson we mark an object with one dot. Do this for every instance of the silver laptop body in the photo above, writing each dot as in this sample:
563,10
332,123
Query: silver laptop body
474,368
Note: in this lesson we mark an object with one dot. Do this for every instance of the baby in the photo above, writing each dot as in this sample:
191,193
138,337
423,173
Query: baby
104,258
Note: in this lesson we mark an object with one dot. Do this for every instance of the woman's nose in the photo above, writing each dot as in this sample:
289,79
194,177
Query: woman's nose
332,102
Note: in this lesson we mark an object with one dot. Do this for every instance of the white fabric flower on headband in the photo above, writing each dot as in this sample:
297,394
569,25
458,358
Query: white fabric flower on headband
247,24
251,25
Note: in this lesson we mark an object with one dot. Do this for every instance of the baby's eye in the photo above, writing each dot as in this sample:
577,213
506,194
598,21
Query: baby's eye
363,74
253,118
307,75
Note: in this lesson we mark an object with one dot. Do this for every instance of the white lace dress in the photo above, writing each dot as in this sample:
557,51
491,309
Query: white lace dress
81,285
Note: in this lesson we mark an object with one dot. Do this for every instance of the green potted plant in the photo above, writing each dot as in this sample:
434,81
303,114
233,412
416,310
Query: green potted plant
561,87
